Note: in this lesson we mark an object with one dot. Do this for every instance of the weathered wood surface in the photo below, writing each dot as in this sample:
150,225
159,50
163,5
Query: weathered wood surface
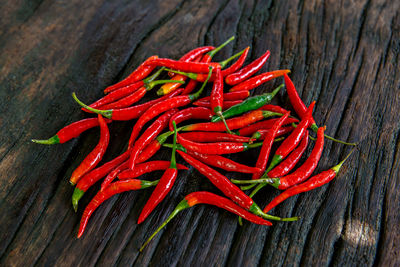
343,54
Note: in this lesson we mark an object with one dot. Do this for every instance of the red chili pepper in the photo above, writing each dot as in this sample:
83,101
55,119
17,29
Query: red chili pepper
214,148
158,108
189,87
124,91
293,139
153,147
202,137
267,145
288,164
146,167
314,182
71,131
112,189
262,133
190,114
113,174
225,105
217,97
251,129
93,176
130,113
196,67
211,199
154,129
195,53
140,73
217,161
238,95
95,156
258,80
163,187
274,108
305,170
247,71
237,65
165,89
137,95
301,109
234,123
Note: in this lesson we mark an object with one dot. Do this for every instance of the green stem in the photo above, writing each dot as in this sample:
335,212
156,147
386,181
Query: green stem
257,189
51,141
226,61
76,196
216,50
173,158
337,167
257,211
154,76
178,146
181,206
190,75
198,93
105,113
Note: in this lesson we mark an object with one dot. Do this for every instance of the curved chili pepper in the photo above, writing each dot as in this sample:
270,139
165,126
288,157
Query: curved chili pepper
163,187
190,113
95,155
189,87
158,108
237,65
238,95
217,97
217,161
124,91
195,53
125,114
288,164
293,139
202,197
71,131
249,104
233,123
214,148
113,174
312,183
266,124
146,167
154,129
305,170
301,109
273,108
112,189
267,145
225,105
165,89
202,137
196,67
258,80
201,77
137,95
247,71
141,72
93,176
262,133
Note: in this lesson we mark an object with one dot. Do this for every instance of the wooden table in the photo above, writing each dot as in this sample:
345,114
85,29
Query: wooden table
343,54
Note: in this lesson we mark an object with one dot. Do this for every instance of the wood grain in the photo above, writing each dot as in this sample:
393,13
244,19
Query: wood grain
344,55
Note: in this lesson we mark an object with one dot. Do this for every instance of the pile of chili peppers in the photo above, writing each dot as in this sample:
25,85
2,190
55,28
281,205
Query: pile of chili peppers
231,122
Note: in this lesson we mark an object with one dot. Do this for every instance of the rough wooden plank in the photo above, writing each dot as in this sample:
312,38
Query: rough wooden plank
344,55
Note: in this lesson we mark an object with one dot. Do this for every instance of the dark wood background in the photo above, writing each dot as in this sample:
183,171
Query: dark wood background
343,54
